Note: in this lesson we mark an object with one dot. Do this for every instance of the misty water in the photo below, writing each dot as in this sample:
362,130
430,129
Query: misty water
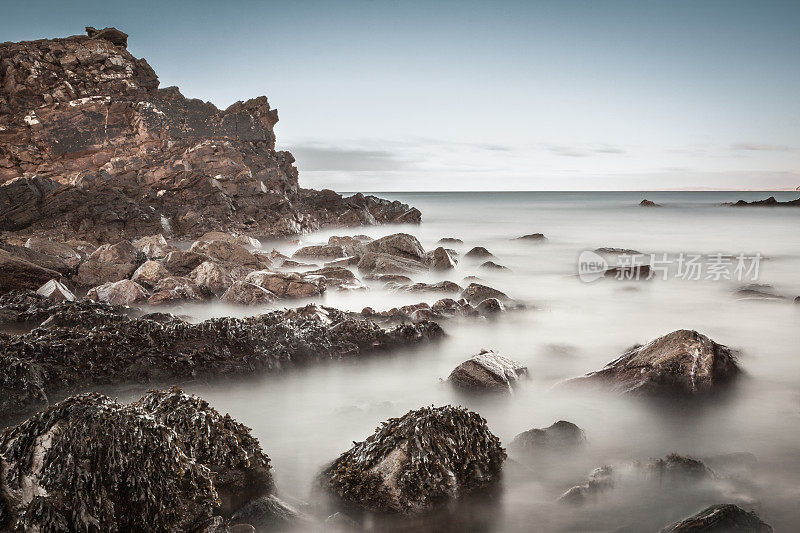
307,417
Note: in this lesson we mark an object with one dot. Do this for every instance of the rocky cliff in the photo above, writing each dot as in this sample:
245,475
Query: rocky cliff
91,148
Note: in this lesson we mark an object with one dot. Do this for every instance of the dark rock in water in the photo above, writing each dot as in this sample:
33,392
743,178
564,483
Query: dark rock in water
87,344
487,372
532,237
440,259
476,293
560,436
17,273
600,480
757,291
244,293
381,263
417,462
769,202
160,463
648,203
683,362
632,272
450,240
339,277
399,245
617,251
491,265
478,252
678,468
720,518
490,306
266,513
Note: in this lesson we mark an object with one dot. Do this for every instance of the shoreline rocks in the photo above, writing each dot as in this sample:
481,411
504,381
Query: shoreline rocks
769,202
720,518
417,462
488,371
682,363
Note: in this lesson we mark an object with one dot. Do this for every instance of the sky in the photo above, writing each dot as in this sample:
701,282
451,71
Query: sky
551,95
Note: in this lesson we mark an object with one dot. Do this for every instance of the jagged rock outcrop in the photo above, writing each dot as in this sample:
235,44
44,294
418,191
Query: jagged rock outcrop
769,202
167,462
417,462
85,344
682,363
90,147
722,518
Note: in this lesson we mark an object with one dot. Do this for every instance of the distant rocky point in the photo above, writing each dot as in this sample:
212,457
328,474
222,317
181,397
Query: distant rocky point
91,148
769,202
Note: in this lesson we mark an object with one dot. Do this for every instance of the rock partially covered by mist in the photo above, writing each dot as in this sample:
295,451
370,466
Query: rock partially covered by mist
560,436
167,462
476,293
417,462
600,480
683,362
93,343
769,202
720,518
487,371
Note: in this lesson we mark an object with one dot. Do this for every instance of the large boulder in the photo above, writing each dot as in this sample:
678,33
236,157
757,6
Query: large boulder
417,462
381,263
720,518
110,262
226,252
176,290
244,240
182,262
123,292
40,259
287,284
150,273
353,246
18,273
440,259
683,362
153,246
64,252
244,293
560,436
398,245
167,462
487,371
339,277
211,276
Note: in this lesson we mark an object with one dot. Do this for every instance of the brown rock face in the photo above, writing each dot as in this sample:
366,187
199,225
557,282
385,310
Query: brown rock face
683,362
91,147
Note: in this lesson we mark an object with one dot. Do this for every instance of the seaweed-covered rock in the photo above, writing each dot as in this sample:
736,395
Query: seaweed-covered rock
487,371
110,262
166,462
720,518
560,436
56,291
92,343
123,292
683,362
416,462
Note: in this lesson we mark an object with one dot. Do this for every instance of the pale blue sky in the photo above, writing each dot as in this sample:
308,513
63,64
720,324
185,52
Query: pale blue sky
466,95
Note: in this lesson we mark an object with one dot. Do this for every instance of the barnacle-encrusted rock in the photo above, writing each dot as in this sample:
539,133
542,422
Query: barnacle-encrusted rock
168,462
416,462
683,362
487,371
560,436
85,344
721,518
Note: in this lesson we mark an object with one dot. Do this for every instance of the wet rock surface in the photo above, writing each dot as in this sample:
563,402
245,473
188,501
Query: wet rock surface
721,518
417,462
682,363
560,436
166,462
92,147
487,371
93,343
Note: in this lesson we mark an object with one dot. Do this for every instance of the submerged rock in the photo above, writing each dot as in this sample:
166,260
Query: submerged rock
478,252
600,480
720,518
648,203
757,291
683,362
769,202
161,463
487,372
417,462
491,265
532,237
450,240
560,436
92,343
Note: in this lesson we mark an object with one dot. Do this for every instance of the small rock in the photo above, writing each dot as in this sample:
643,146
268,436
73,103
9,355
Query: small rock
487,371
243,240
266,513
476,293
532,237
153,247
560,436
226,252
478,252
56,291
287,284
176,289
323,251
123,292
450,240
648,203
181,262
491,265
600,480
490,306
211,277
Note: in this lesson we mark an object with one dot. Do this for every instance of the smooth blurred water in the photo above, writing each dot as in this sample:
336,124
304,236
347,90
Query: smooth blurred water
307,417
